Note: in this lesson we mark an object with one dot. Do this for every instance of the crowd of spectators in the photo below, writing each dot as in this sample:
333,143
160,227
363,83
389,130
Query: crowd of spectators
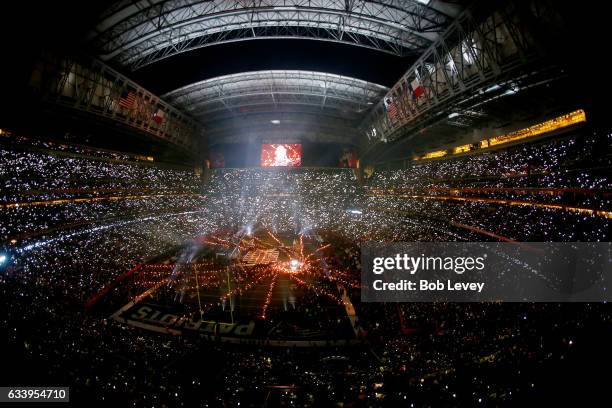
56,188
577,161
65,253
555,190
29,176
66,146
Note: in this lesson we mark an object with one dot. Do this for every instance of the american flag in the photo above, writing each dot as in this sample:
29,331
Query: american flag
127,100
390,107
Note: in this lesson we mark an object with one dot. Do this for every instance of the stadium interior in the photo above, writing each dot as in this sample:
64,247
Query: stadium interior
187,185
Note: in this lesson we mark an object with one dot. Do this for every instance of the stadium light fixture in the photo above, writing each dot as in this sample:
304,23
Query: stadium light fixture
512,90
275,122
492,88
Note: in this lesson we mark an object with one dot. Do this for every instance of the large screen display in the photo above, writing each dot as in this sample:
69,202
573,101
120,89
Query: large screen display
281,155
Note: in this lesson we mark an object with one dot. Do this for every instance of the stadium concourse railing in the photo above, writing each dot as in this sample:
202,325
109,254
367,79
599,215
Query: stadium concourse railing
491,50
90,86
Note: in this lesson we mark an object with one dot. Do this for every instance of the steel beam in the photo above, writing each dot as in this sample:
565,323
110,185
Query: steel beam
481,55
261,96
93,87
140,33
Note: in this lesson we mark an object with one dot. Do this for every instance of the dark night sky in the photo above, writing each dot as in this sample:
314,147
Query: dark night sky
253,55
